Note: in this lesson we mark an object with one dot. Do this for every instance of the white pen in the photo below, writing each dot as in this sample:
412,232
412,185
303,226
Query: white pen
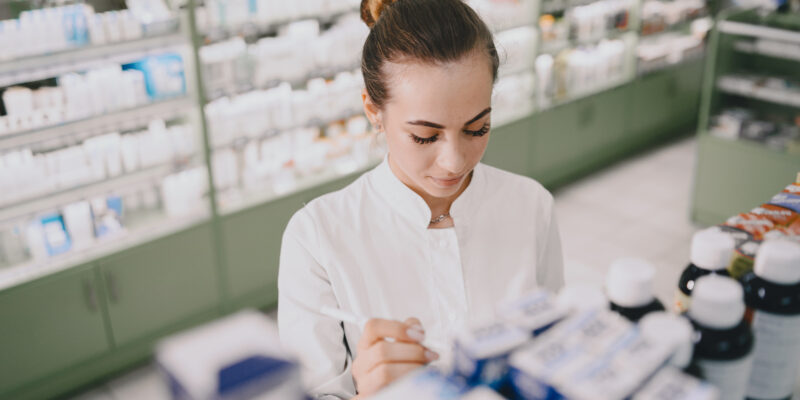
360,320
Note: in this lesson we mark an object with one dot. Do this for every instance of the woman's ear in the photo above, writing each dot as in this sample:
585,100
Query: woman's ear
371,110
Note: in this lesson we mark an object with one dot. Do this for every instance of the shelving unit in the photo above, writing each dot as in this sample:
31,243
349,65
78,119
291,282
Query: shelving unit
87,291
164,273
747,108
75,131
83,58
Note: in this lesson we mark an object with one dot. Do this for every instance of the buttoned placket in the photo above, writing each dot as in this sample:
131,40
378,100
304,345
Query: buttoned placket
448,278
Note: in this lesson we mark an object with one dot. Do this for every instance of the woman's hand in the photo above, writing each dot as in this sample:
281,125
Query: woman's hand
380,362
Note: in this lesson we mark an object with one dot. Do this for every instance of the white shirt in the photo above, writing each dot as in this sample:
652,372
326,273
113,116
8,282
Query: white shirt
367,249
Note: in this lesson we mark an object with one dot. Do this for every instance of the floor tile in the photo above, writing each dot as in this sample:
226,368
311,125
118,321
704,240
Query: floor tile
143,383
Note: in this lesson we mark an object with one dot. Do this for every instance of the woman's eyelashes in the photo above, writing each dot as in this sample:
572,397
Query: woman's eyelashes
426,140
480,132
422,140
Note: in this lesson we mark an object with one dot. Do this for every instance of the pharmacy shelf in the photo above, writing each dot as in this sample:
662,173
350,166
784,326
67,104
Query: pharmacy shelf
752,147
146,229
241,141
83,58
589,93
505,72
296,84
790,98
748,47
512,24
554,6
556,47
256,29
235,201
115,121
681,26
654,67
758,31
119,184
723,164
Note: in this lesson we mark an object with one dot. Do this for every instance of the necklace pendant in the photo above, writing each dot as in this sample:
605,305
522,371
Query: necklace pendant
440,218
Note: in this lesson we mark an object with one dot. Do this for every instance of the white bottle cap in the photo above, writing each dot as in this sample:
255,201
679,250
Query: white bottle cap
717,302
712,249
778,261
630,282
672,329
581,297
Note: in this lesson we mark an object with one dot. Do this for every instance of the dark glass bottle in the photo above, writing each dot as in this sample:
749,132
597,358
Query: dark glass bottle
629,287
772,296
711,253
723,338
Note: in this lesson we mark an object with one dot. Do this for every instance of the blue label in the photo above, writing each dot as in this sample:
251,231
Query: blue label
786,200
163,75
56,238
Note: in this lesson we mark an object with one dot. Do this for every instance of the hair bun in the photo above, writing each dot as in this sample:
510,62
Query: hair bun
371,10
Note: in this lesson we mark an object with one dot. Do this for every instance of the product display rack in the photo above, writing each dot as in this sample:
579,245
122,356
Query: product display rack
745,132
85,312
692,22
101,310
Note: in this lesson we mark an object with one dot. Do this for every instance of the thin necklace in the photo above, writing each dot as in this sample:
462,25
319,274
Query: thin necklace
440,218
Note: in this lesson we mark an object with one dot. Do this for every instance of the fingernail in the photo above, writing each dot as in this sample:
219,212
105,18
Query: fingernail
416,334
431,356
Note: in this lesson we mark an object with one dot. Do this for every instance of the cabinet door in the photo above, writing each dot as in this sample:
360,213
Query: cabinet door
611,126
252,243
555,143
508,146
686,108
49,325
154,287
654,97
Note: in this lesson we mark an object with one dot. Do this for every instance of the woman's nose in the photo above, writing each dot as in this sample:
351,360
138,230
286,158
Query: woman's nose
452,158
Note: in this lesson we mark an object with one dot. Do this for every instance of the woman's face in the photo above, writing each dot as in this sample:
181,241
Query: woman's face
437,122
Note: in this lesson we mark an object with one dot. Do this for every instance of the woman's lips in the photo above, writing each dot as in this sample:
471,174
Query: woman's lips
447,182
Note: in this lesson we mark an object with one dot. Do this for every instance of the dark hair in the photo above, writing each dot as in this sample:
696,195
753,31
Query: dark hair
430,31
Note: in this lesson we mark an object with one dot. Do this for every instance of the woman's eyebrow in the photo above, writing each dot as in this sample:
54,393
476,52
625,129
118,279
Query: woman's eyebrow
438,126
479,116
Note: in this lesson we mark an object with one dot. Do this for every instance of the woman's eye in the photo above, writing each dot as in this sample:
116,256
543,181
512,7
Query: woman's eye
480,132
421,140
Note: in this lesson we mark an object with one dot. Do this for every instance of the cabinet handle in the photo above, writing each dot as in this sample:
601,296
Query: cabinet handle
113,288
672,89
586,116
90,294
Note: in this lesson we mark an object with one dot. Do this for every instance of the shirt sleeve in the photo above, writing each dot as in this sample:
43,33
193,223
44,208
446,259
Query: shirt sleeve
316,340
550,270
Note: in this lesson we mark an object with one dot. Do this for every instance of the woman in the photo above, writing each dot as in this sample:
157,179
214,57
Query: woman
430,237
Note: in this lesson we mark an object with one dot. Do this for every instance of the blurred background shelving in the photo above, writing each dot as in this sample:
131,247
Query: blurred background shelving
750,112
187,134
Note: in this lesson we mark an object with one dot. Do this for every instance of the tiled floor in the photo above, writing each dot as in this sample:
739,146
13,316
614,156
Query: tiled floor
639,207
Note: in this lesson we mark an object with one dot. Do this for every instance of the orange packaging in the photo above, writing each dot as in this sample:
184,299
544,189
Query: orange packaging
789,232
754,224
748,231
780,216
793,188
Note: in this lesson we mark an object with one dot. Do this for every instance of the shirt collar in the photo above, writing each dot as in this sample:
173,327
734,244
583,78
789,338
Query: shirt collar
413,207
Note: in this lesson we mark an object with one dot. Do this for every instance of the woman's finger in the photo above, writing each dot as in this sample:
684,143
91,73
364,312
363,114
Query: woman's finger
377,329
383,375
399,352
